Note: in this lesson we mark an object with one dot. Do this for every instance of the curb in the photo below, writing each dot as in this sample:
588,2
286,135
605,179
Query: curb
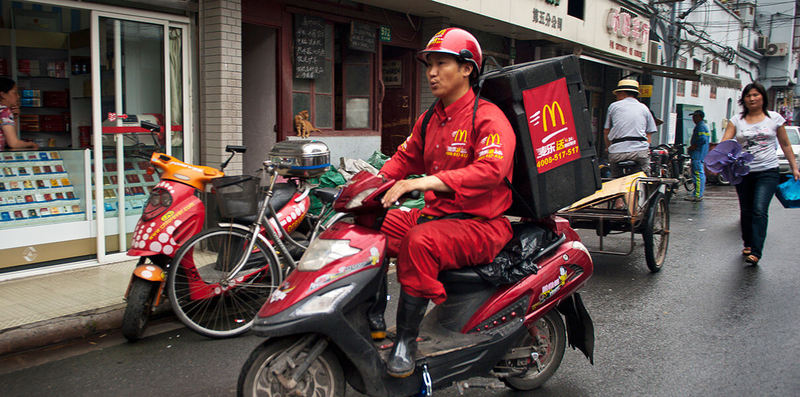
73,326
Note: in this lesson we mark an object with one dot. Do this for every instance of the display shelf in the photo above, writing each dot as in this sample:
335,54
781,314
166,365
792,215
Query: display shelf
138,184
35,188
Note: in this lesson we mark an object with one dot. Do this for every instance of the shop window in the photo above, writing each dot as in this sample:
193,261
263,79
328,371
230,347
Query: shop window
696,84
575,8
681,85
341,97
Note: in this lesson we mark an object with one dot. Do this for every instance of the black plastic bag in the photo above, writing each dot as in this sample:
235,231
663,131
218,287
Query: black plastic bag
515,260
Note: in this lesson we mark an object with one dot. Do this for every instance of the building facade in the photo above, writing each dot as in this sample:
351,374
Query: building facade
219,72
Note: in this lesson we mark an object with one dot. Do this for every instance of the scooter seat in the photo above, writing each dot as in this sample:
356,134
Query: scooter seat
465,275
282,194
626,163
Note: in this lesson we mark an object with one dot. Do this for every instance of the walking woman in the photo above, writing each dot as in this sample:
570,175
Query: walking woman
9,112
756,129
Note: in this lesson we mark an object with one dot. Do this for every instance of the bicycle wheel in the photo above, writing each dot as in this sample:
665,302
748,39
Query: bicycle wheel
656,233
206,296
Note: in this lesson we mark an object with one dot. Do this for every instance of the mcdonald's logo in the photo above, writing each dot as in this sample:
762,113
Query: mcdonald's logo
551,110
461,136
493,140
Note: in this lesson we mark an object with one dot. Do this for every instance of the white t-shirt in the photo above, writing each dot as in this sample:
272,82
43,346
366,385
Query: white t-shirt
629,118
759,139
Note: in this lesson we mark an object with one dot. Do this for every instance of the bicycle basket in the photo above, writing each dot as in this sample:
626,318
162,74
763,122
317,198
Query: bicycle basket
237,196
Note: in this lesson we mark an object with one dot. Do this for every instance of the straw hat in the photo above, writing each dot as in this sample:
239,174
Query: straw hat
627,85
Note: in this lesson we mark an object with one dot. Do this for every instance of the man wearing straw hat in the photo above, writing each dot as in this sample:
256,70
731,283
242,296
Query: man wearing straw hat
629,124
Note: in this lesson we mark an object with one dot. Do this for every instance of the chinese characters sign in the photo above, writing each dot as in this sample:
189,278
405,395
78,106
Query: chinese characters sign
627,26
545,18
551,125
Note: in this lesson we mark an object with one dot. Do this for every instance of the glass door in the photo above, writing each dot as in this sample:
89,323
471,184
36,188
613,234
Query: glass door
137,74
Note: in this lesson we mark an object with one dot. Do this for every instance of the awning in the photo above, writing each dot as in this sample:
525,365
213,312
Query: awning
720,81
591,54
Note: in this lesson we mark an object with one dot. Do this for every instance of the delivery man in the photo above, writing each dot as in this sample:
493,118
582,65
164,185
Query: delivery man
466,154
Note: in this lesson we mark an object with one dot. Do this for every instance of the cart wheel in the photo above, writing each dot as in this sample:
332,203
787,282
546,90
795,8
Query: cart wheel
656,232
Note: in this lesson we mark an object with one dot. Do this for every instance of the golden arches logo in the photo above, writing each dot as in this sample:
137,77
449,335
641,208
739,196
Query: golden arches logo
461,136
493,140
551,110
437,38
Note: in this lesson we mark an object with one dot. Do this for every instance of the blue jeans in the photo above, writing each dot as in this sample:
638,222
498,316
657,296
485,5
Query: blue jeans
699,174
755,193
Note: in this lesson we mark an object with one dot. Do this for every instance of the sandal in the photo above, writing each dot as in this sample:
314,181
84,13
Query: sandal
752,259
746,251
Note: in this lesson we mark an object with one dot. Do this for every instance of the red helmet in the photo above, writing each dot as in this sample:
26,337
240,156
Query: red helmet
457,42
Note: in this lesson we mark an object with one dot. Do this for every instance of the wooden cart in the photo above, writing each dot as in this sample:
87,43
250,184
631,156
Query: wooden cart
631,204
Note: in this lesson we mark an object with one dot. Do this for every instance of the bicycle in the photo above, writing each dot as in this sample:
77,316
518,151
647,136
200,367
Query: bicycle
220,278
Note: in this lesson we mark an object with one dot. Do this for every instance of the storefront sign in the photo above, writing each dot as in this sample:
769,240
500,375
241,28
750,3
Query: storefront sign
547,19
309,46
625,25
362,36
551,125
393,73
645,91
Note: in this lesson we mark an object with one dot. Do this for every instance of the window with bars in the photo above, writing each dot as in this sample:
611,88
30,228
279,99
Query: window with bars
696,65
681,85
341,97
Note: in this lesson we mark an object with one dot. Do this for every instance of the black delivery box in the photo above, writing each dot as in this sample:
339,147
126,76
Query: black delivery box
555,162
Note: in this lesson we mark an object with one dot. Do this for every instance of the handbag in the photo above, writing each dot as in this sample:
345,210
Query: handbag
789,193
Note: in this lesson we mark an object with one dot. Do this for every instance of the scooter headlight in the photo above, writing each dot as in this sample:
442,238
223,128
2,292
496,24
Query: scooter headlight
324,251
323,304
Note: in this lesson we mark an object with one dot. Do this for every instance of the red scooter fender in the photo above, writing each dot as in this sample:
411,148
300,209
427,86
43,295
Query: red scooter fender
161,230
301,284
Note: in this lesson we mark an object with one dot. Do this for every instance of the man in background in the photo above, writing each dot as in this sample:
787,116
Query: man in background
628,128
697,150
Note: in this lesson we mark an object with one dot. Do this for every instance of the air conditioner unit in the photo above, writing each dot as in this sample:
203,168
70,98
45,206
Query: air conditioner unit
761,43
654,55
777,49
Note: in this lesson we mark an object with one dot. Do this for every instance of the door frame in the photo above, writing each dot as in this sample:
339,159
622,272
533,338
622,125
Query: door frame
166,22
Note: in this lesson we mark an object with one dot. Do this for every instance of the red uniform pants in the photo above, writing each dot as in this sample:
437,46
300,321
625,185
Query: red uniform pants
426,249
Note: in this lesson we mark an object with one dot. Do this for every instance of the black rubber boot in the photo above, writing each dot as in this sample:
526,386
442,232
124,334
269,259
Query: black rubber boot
377,325
410,311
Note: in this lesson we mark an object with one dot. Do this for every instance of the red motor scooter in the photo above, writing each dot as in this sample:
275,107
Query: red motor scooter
318,328
172,215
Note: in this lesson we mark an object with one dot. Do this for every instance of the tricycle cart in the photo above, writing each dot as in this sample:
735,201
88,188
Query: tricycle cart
630,204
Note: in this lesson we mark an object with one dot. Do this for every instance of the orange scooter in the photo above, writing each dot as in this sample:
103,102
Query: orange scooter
173,214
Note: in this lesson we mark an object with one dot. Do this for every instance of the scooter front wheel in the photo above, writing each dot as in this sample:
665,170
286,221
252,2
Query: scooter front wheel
206,296
137,312
547,339
266,367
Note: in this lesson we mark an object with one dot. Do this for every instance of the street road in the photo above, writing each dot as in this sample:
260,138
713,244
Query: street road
707,324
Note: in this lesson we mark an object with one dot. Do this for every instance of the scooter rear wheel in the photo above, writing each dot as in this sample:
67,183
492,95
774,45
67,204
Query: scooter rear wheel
323,378
548,338
206,296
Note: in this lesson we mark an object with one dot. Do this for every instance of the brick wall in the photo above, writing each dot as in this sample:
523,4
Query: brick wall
220,81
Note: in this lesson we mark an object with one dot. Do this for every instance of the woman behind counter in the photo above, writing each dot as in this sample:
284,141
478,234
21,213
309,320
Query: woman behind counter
756,129
9,112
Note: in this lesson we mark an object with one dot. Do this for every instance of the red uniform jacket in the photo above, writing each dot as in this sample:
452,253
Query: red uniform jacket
472,163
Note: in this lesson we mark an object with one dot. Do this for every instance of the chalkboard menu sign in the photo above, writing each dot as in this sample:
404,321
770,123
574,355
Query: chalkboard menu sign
362,36
309,46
